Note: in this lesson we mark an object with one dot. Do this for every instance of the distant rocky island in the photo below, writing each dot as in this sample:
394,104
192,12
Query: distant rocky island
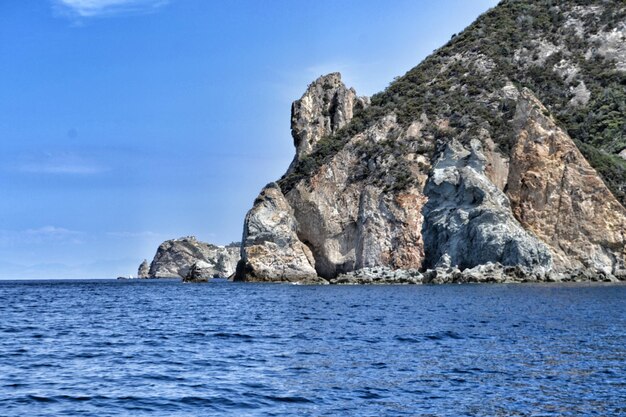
499,158
192,260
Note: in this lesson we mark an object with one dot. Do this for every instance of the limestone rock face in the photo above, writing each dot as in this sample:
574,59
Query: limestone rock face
351,225
397,218
556,194
469,219
144,270
175,257
271,250
326,106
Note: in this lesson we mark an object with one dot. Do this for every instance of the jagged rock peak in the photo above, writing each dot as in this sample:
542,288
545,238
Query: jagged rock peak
326,106
144,269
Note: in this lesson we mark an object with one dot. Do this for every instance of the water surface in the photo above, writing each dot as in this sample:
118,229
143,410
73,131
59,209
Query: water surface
162,348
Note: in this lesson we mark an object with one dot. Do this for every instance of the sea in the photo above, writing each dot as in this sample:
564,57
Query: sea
164,348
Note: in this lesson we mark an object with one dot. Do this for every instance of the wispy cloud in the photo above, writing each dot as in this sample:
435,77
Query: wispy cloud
60,169
99,268
41,235
59,163
141,234
51,231
103,8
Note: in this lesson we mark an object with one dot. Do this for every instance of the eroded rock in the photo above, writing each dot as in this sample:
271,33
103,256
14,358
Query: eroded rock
175,257
469,220
556,194
326,106
271,250
196,274
144,270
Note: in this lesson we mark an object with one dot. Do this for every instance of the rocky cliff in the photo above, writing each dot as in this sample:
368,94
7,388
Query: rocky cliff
493,154
177,257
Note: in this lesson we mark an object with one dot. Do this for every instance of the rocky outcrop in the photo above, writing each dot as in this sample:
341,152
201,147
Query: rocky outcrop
175,258
379,275
144,270
558,196
454,174
333,224
326,106
196,274
271,250
484,273
469,220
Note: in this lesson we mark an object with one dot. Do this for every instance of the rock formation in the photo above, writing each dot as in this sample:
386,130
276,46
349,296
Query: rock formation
469,220
558,196
326,106
272,248
196,273
455,173
488,272
174,258
144,270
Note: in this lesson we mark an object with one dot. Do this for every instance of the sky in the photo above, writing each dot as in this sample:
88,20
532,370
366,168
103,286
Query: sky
124,123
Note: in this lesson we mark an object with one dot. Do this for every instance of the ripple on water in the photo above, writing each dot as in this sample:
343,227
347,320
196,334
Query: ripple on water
159,348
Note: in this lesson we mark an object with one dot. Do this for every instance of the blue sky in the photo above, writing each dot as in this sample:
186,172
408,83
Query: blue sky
128,122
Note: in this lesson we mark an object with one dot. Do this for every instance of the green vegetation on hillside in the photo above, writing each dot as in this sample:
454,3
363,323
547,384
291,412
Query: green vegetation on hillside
525,42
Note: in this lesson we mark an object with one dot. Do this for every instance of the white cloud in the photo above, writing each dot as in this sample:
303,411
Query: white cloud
98,8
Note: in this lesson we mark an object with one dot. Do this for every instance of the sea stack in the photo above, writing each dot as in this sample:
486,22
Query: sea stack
144,270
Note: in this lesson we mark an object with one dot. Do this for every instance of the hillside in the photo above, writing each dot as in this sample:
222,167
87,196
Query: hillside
497,149
570,54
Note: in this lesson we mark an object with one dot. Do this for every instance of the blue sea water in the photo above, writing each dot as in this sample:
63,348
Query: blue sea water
162,348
